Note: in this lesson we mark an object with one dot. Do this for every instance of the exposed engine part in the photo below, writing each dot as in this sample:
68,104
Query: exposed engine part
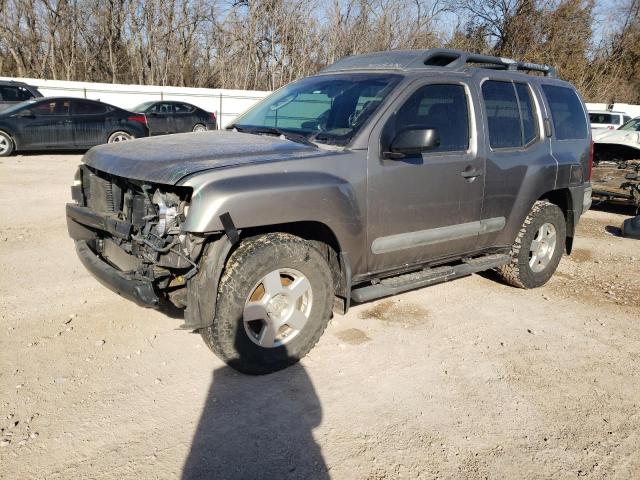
168,204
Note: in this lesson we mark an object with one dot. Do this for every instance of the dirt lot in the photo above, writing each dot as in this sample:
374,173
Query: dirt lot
470,379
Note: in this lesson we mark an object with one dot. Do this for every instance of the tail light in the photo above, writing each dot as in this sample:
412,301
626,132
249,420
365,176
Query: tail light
611,127
138,118
212,117
590,166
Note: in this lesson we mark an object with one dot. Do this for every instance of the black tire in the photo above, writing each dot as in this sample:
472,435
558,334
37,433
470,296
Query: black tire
519,272
7,145
254,258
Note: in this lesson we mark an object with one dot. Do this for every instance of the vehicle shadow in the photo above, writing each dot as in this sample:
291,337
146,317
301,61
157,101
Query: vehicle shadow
257,427
612,207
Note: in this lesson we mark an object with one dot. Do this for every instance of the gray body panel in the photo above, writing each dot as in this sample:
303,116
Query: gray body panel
421,212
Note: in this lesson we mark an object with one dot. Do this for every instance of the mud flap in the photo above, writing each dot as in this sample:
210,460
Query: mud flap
202,289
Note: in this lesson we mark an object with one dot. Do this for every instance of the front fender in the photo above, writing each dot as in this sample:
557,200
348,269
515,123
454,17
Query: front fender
261,196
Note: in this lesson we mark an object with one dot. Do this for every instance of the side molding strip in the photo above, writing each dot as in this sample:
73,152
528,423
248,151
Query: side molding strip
421,238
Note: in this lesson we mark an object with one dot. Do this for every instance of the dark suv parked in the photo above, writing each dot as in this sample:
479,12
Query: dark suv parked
15,92
384,173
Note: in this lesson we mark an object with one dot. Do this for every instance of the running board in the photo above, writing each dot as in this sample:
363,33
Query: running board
427,277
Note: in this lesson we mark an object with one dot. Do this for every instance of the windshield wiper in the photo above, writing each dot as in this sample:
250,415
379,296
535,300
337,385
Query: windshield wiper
294,137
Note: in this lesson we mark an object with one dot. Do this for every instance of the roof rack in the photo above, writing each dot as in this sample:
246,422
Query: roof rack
439,57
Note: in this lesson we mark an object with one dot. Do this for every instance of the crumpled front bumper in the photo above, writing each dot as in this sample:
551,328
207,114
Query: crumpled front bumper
84,225
124,284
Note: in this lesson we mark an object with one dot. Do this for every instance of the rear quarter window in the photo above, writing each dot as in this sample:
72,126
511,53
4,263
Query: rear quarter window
567,113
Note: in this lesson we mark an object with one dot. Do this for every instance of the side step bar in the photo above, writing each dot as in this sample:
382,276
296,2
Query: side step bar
427,277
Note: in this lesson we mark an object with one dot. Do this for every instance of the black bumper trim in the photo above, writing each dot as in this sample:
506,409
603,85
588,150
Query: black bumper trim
80,218
138,291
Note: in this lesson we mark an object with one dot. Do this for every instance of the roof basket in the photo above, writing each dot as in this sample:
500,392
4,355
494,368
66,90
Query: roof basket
441,57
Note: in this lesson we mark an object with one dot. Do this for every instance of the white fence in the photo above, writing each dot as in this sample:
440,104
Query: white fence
226,104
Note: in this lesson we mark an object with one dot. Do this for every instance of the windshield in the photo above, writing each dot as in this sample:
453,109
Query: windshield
632,125
325,109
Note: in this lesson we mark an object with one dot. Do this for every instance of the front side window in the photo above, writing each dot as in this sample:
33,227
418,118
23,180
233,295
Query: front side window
567,113
163,108
325,109
51,107
440,107
511,114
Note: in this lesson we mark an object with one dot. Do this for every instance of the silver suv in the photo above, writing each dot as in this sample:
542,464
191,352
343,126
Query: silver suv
385,172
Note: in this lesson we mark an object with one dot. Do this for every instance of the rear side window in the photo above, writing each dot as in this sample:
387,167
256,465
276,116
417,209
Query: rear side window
510,114
441,107
527,113
15,94
604,118
183,108
89,108
569,122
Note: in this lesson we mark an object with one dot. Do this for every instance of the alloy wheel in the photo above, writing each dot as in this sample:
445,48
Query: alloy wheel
277,308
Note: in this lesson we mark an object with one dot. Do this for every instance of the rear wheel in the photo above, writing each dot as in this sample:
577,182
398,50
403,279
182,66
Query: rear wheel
538,248
6,145
199,128
120,136
274,302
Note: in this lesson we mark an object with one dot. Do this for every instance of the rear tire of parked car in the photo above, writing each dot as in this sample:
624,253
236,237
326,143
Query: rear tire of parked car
120,136
274,302
6,144
199,128
538,248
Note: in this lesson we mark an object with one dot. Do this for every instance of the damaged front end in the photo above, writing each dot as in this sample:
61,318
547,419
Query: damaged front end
128,235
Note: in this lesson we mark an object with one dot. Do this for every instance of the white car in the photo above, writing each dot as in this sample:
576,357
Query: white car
618,145
607,120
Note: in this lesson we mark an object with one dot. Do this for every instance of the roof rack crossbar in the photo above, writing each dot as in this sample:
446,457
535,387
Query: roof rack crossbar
462,59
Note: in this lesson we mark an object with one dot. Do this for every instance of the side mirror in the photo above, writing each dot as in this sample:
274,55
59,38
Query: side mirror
25,114
413,141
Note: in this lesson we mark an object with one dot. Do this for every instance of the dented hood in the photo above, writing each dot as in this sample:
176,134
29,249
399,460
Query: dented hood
169,158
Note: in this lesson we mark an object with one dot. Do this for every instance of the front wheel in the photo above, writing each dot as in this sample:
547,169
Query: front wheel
274,302
120,136
6,145
538,248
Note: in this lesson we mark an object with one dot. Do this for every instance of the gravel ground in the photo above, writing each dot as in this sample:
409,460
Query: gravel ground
469,379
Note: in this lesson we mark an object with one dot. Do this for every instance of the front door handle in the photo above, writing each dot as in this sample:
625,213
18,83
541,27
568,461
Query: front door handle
471,173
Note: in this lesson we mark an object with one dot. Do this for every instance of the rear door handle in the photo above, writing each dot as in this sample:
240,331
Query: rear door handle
471,173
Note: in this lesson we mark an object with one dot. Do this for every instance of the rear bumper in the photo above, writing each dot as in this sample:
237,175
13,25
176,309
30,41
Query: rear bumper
138,291
580,199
